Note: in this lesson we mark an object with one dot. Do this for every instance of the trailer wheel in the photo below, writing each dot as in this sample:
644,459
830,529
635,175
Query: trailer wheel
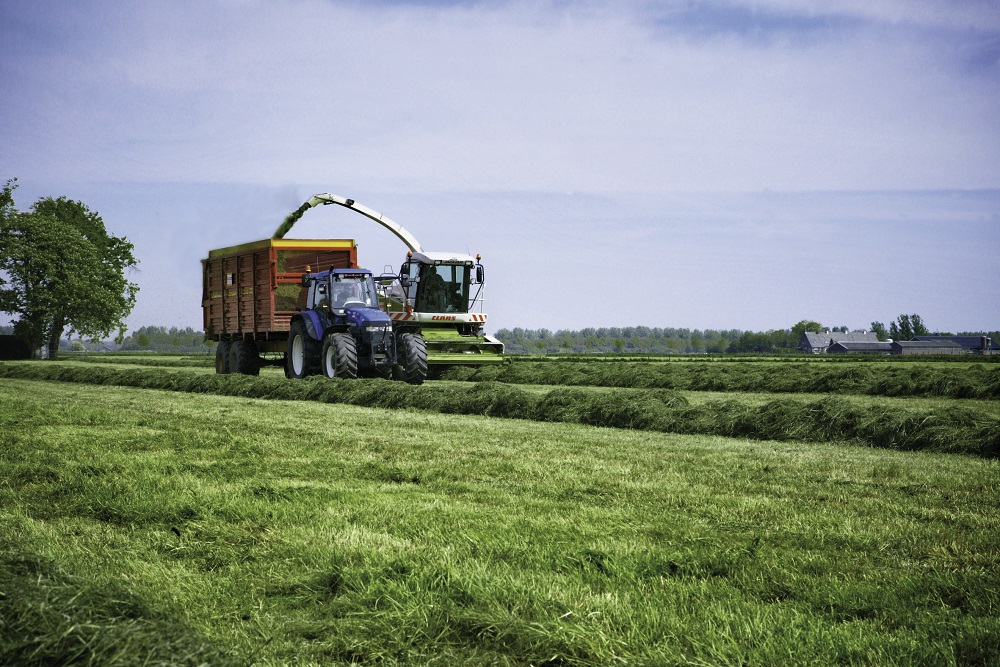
222,357
303,352
340,356
414,366
243,358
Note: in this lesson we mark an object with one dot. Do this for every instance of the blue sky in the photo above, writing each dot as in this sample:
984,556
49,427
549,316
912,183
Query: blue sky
718,164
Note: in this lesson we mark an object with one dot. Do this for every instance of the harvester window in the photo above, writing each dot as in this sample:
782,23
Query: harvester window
444,288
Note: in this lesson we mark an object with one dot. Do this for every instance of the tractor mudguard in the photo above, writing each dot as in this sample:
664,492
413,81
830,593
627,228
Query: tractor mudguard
314,323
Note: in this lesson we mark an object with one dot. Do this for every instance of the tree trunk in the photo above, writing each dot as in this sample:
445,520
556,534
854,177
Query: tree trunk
55,333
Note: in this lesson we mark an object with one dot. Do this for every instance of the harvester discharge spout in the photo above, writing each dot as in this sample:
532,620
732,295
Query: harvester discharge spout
326,198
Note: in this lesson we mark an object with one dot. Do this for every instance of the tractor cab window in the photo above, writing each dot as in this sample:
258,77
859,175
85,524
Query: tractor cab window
443,288
352,292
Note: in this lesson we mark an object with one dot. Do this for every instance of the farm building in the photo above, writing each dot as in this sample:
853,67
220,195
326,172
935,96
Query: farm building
926,347
973,344
847,347
819,342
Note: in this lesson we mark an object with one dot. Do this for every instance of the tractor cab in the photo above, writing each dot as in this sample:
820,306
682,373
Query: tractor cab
340,289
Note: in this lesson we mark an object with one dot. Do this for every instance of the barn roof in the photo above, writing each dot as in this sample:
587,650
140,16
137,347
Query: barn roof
828,338
866,346
927,344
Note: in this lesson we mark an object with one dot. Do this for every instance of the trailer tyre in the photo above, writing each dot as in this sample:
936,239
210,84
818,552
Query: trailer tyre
414,353
340,356
302,358
243,358
222,357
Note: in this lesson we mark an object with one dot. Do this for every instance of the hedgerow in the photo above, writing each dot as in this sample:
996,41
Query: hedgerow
954,429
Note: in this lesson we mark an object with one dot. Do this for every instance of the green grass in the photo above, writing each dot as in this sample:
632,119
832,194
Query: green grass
152,527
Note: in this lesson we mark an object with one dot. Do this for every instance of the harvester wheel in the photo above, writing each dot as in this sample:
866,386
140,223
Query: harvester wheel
222,357
340,356
303,352
414,353
243,358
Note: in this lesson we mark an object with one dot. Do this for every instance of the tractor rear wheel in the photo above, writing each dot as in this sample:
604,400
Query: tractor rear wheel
340,356
413,352
243,358
222,357
302,357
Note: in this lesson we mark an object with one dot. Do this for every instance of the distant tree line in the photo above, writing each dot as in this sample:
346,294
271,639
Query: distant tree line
164,340
647,340
144,339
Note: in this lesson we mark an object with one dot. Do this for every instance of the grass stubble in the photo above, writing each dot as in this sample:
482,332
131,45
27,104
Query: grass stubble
149,527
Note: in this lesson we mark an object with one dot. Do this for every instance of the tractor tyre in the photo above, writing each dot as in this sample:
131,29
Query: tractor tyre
302,358
414,357
243,358
222,357
340,356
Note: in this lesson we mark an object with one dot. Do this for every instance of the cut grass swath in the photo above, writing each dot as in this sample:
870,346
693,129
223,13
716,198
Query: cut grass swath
977,380
954,430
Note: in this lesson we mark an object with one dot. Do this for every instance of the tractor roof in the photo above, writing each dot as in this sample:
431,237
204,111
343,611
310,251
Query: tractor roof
341,272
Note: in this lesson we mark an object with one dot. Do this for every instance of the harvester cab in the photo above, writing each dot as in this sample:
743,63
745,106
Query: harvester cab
342,332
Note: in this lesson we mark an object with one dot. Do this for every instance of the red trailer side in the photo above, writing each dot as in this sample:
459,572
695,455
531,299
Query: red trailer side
250,291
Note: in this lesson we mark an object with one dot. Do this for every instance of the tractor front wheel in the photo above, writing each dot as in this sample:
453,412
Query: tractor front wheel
340,356
413,354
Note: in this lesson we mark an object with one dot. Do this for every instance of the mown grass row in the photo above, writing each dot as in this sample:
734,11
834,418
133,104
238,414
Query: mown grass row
975,380
952,429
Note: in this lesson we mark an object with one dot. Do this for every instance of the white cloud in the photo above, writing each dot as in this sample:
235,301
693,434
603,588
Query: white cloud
499,98
961,14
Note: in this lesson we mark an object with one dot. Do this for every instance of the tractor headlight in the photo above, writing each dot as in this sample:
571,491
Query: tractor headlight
377,328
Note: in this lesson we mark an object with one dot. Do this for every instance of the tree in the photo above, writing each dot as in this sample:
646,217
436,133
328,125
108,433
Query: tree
917,324
879,330
752,342
61,269
800,328
906,327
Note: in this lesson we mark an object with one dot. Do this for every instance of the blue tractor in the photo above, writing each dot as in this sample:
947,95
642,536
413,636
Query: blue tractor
342,332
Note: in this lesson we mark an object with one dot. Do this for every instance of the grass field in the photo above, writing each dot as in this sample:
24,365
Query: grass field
142,526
